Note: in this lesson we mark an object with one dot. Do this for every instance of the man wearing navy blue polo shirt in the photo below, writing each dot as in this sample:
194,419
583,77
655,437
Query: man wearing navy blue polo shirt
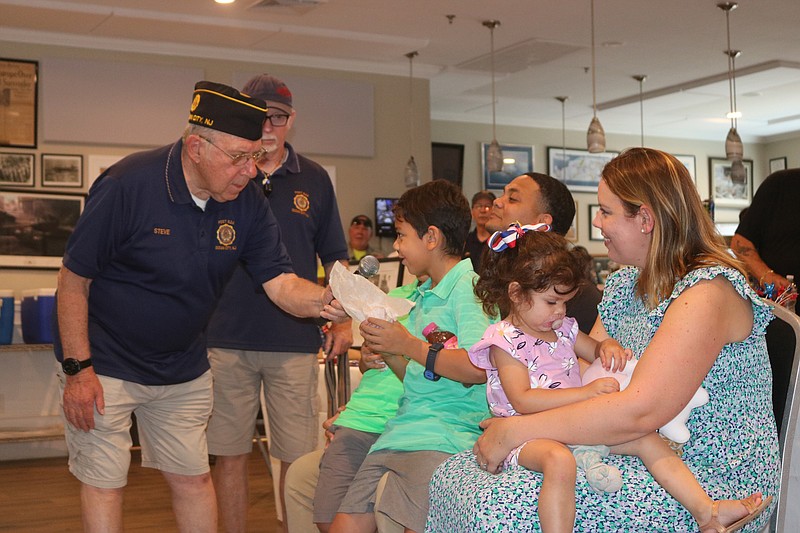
253,342
160,235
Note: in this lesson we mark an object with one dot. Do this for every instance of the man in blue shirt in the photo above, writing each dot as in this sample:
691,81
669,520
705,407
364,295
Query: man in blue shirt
160,235
253,342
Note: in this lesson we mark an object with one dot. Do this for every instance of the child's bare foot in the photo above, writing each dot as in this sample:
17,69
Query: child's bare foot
731,515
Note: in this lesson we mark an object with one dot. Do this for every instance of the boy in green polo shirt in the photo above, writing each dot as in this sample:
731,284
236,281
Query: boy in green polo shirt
438,415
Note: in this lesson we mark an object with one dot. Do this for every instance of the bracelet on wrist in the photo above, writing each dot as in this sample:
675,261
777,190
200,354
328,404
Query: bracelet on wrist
764,275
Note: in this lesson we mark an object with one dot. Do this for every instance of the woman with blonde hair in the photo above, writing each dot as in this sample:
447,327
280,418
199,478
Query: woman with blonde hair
685,309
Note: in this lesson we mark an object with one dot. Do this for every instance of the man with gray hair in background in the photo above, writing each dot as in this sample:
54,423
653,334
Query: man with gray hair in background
252,341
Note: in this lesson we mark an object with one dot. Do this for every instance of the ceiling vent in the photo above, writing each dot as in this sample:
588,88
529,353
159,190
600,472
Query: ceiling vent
287,3
520,56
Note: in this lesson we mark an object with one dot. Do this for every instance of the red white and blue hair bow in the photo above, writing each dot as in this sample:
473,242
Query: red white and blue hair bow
501,240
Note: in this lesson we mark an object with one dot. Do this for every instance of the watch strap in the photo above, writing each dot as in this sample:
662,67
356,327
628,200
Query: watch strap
430,361
72,366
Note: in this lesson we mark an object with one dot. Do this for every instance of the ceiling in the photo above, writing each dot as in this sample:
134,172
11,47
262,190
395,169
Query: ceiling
543,50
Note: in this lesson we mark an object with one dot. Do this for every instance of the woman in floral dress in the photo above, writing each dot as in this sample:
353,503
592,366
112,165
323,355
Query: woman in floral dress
686,311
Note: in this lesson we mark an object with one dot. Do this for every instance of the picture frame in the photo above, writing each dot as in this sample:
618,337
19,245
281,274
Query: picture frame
517,159
578,169
689,162
19,98
447,162
389,276
62,170
98,164
724,191
572,232
776,164
594,233
36,227
17,170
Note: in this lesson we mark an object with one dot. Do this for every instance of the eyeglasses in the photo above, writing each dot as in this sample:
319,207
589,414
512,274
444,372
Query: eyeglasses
238,160
278,119
482,207
361,222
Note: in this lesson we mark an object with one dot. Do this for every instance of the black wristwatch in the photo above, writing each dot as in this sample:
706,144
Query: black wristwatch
73,366
433,351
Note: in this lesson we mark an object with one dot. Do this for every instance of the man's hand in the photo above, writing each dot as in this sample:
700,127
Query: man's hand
338,339
331,309
82,393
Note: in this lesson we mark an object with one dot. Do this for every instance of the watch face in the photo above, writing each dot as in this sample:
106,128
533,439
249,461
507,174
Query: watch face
71,366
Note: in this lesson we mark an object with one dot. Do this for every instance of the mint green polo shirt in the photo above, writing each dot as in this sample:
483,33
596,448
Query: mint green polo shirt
441,415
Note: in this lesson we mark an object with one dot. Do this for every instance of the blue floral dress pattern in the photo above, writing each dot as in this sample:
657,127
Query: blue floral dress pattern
731,454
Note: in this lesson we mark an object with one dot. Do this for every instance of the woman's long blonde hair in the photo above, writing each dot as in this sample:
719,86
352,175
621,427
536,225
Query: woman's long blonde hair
684,236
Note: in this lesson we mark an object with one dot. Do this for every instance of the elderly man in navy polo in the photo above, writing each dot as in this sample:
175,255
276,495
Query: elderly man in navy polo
160,235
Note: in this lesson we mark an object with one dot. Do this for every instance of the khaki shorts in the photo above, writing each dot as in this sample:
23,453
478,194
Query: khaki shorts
292,400
171,421
405,495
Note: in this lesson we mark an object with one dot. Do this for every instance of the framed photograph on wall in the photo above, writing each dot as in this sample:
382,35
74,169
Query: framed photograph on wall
36,227
725,191
776,164
578,169
517,159
447,162
594,233
688,162
16,170
572,232
99,164
19,94
59,170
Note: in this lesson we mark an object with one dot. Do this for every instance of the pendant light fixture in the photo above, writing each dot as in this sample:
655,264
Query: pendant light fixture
641,79
563,100
734,149
494,155
412,172
596,136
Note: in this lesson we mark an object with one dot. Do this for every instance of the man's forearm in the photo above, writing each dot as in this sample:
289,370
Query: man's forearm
746,252
73,314
296,296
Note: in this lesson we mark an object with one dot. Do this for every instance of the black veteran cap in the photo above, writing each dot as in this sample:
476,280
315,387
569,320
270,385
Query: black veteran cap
225,109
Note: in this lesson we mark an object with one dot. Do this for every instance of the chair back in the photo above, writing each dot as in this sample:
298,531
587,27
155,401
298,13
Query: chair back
783,344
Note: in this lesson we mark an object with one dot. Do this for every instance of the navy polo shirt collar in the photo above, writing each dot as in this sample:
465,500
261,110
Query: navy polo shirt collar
174,180
292,163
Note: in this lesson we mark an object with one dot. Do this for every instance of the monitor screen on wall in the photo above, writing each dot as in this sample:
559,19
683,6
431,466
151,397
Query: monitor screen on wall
384,217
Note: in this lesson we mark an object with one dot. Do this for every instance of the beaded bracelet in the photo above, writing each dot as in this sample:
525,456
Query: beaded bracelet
764,275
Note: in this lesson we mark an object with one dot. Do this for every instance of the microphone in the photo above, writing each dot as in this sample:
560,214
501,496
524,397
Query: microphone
368,266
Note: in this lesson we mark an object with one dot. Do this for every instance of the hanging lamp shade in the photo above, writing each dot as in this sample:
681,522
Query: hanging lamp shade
494,154
412,173
494,157
596,135
734,149
733,145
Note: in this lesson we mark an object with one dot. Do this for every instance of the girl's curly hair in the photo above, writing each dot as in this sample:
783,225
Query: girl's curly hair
537,262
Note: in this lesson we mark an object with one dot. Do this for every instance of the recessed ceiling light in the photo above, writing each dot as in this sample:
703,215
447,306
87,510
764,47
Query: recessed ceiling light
224,1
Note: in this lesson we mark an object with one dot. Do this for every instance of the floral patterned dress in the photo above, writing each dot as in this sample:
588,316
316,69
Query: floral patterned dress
733,450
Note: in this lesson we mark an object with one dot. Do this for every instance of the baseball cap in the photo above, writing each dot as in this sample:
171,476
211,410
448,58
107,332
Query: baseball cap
271,89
